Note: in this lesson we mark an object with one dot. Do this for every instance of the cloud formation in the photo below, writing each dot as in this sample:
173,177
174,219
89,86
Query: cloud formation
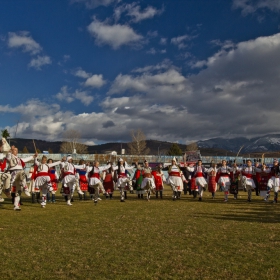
40,61
23,40
135,12
92,4
115,35
236,90
65,96
251,6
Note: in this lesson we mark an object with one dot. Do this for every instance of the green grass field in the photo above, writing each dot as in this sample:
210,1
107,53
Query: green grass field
160,239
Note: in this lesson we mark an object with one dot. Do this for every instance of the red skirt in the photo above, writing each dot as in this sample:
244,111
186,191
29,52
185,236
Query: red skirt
212,185
108,183
193,185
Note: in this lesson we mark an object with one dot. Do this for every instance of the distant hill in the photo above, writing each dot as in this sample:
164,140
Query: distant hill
156,147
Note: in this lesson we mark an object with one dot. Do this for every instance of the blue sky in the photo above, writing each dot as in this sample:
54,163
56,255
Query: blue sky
180,70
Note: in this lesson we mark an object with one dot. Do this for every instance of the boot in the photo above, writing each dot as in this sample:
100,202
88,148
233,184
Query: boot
174,195
80,196
142,196
160,193
111,195
38,197
195,194
178,195
65,197
48,197
125,195
13,197
213,195
156,194
249,195
139,195
85,196
53,198
33,198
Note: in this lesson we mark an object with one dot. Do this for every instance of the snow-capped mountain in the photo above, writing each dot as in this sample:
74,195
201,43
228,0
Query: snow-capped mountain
264,143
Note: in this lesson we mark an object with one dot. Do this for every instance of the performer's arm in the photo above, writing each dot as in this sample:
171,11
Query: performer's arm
53,164
104,167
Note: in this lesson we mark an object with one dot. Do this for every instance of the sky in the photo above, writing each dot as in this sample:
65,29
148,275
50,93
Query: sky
179,70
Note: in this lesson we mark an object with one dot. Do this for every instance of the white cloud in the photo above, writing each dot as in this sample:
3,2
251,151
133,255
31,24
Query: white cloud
163,41
95,81
251,6
83,97
24,41
65,96
166,64
82,74
40,61
180,41
115,35
237,92
92,4
134,11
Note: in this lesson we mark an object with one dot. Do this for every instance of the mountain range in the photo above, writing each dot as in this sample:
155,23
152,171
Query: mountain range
214,146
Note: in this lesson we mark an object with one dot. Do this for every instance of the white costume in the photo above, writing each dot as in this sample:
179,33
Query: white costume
18,176
94,179
5,180
123,178
43,180
200,181
148,182
69,180
224,180
175,180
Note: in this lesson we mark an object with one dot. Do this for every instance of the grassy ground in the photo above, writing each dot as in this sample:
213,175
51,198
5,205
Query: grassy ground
160,239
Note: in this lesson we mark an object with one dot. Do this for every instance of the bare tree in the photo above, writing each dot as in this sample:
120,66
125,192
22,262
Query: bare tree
192,147
71,144
138,144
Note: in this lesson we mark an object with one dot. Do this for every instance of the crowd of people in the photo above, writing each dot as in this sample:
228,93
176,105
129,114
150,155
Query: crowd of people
41,183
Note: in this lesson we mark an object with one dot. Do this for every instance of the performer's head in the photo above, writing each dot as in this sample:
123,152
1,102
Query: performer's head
275,162
224,162
81,162
121,162
249,163
44,159
213,164
146,163
50,160
199,162
96,164
69,159
14,150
